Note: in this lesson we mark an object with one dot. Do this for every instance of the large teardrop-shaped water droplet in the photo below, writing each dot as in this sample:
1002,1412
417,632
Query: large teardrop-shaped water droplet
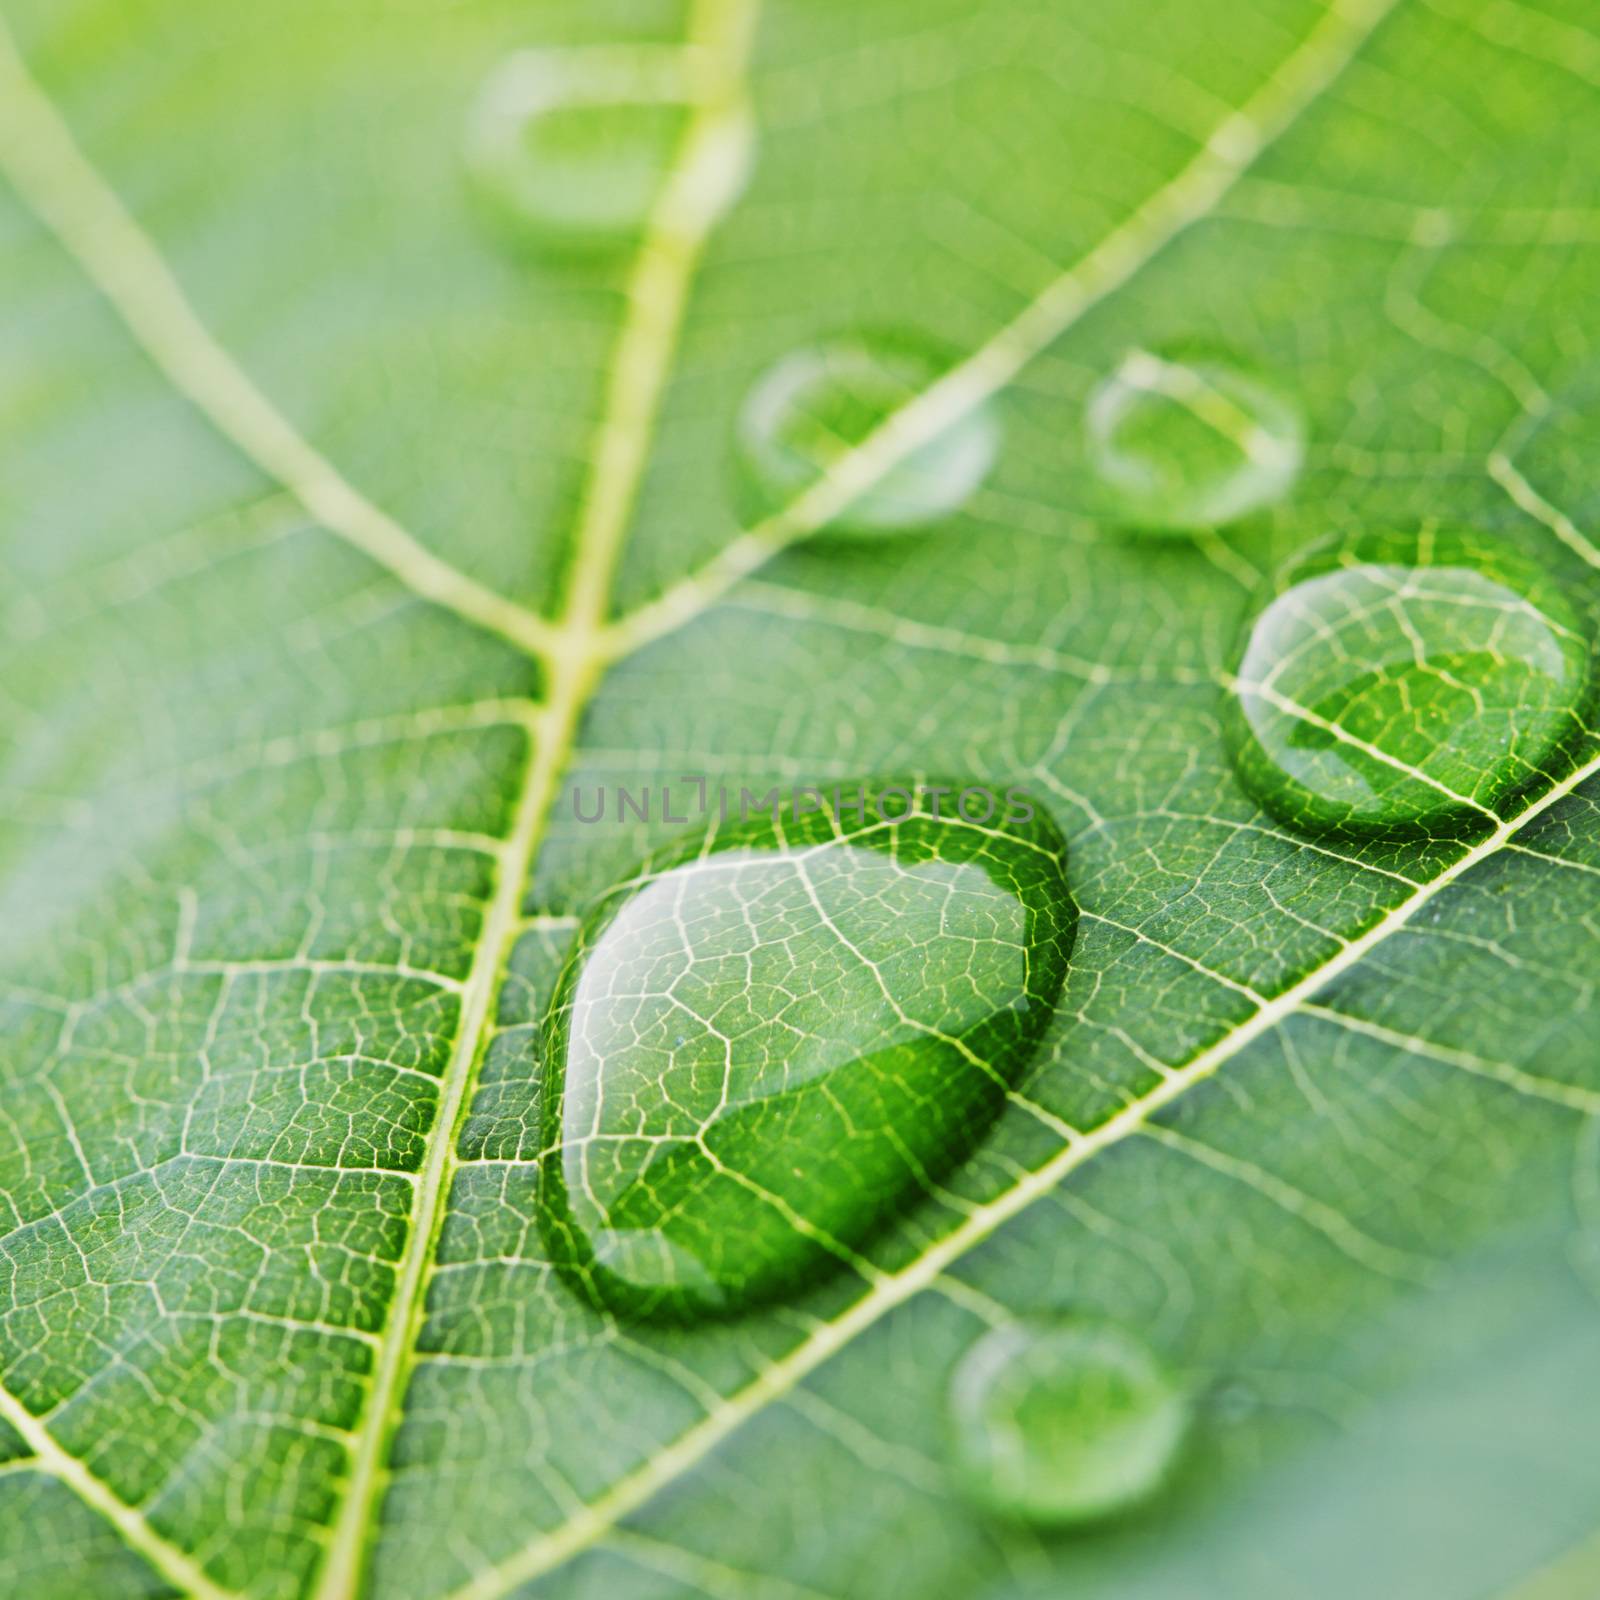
1192,439
1405,683
570,147
770,1039
1059,1424
818,403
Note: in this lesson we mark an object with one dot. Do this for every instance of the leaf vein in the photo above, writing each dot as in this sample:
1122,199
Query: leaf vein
44,163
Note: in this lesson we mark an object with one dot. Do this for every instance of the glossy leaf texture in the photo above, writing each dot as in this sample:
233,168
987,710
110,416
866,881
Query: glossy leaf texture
358,540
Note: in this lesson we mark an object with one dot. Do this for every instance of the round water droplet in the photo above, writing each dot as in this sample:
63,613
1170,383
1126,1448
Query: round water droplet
1405,683
1057,1424
817,404
570,147
1192,439
769,1039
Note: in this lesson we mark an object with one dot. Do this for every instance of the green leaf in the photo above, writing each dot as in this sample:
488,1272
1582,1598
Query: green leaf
353,542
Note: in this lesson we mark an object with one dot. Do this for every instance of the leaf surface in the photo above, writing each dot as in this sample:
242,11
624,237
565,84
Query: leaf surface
344,545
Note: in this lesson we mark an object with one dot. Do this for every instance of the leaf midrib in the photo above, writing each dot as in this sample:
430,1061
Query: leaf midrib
656,299
53,176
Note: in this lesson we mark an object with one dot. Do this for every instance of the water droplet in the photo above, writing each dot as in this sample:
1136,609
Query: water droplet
769,1039
570,147
1192,439
818,403
1405,683
1059,1424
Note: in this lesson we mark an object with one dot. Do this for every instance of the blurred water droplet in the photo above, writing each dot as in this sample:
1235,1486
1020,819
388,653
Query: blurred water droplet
819,403
1057,1424
569,148
1190,440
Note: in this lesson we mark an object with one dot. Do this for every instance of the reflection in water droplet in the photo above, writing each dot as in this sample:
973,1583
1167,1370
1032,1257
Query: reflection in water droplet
768,1040
1405,684
570,147
818,403
1056,1424
1192,439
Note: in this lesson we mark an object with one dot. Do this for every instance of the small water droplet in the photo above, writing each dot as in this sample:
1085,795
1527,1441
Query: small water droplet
1405,684
1062,1423
820,402
769,1039
570,147
1192,439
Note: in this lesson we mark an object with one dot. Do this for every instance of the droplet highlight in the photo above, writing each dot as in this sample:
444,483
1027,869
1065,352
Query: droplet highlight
1190,440
1059,1424
818,404
1407,684
773,1037
569,148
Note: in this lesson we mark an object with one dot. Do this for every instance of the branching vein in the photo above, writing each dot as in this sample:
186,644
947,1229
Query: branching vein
1233,148
48,1456
890,1290
44,163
